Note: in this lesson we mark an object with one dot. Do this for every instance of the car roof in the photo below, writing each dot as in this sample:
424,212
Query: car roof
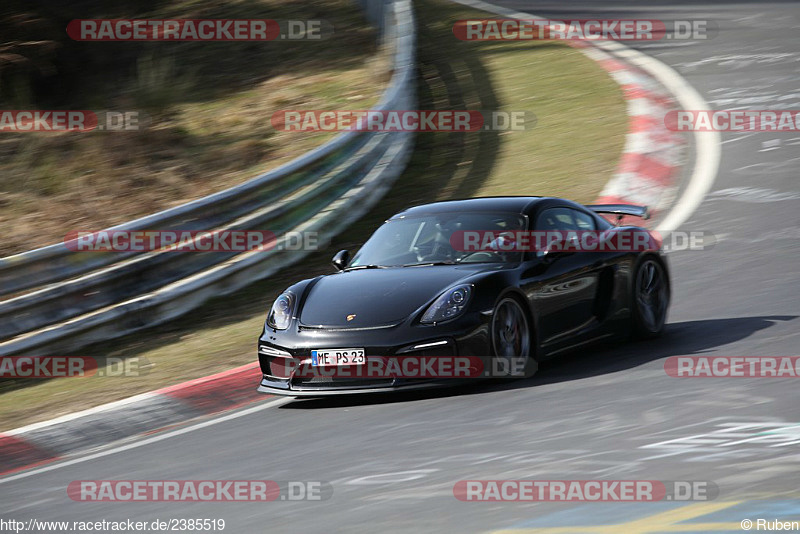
513,204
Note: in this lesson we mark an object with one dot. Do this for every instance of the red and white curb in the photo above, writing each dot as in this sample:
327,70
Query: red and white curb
649,170
147,413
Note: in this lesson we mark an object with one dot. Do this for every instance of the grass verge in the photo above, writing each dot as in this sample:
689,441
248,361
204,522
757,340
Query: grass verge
572,152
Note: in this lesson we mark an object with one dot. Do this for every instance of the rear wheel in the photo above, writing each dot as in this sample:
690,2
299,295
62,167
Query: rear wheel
512,340
650,298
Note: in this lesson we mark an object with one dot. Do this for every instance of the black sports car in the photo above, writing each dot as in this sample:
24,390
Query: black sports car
499,283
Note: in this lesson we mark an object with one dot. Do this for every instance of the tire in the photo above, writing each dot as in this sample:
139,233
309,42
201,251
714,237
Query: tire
650,298
512,338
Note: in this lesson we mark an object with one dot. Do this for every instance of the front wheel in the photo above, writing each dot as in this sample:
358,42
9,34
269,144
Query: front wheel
512,340
650,299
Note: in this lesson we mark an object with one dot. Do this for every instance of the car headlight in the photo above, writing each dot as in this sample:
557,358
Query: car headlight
449,305
281,313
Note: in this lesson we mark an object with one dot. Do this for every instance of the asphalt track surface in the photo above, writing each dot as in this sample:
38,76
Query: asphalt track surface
604,413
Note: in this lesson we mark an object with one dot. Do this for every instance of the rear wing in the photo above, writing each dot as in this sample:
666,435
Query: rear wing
621,210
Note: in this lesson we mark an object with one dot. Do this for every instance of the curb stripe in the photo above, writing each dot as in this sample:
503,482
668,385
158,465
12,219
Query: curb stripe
647,168
224,391
16,454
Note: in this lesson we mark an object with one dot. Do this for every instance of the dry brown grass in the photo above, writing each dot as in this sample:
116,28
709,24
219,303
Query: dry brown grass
206,123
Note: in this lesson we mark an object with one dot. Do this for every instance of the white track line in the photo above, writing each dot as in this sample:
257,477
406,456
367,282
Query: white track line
148,441
707,144
83,413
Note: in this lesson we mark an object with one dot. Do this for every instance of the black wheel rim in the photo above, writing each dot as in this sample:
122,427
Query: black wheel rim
651,295
510,333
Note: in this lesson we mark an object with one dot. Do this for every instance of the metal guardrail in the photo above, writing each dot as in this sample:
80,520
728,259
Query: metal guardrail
62,299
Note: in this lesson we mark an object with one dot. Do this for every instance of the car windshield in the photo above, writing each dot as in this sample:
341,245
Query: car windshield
438,238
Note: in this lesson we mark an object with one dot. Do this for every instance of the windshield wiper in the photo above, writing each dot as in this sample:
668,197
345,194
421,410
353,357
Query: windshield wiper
370,266
428,263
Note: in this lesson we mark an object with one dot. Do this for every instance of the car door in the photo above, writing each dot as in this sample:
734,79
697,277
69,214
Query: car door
564,295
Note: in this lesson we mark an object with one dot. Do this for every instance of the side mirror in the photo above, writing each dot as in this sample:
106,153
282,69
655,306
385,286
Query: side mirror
340,259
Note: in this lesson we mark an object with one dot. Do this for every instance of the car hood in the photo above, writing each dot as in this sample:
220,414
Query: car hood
377,297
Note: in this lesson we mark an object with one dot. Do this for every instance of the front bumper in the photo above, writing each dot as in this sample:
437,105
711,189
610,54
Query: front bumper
281,354
267,387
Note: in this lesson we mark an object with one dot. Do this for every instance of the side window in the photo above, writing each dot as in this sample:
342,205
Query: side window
583,221
556,219
565,219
